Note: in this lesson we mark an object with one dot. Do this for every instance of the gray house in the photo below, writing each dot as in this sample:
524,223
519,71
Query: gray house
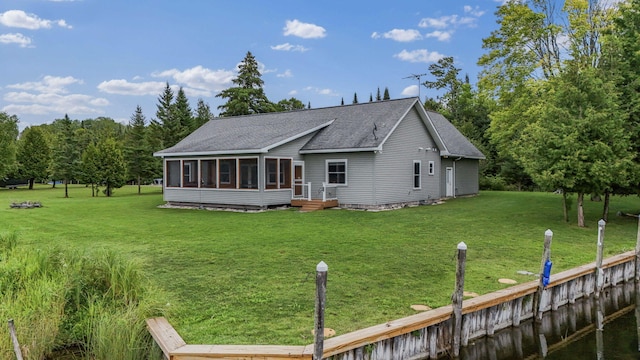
368,155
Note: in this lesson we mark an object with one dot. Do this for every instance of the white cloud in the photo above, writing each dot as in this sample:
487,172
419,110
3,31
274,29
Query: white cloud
400,35
20,19
293,92
440,35
375,35
50,96
439,23
412,90
475,11
286,74
421,55
304,30
48,84
289,47
124,87
320,91
200,81
15,38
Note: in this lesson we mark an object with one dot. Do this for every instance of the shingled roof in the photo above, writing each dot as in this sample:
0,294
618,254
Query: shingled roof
348,128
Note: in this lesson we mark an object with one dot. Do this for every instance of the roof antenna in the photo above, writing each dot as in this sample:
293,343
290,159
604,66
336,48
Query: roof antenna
375,128
417,77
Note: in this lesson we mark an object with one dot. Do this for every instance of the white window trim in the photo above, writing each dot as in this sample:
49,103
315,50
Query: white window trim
346,171
432,168
419,174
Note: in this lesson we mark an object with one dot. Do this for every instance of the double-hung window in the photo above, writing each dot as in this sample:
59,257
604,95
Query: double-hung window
417,174
336,172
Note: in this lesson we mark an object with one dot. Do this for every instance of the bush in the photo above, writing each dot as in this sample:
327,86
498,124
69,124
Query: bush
62,298
491,182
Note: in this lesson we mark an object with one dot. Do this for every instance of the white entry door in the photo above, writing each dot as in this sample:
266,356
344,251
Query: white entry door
449,181
298,178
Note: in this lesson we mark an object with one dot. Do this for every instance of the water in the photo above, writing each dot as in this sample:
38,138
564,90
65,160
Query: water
570,332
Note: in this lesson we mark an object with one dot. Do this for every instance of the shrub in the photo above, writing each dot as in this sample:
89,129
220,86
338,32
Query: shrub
62,298
491,182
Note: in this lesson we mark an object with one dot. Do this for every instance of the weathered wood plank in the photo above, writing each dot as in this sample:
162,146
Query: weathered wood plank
263,352
388,330
165,335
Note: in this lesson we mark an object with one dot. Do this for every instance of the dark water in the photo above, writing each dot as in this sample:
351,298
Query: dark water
570,332
619,340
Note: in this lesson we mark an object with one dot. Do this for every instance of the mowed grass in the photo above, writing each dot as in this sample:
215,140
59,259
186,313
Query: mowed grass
249,278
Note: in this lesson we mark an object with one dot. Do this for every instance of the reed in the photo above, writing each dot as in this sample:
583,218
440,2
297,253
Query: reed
65,299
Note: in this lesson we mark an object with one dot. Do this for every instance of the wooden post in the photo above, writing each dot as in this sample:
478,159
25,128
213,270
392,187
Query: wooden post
637,288
14,339
599,256
546,256
321,293
457,298
638,252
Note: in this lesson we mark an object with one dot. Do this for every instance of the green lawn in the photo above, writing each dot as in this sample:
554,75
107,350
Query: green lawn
248,278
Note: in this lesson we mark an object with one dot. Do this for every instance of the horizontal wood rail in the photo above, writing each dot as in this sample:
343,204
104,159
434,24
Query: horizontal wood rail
175,348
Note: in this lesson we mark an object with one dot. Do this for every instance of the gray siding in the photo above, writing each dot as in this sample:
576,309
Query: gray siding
394,166
360,174
466,174
467,177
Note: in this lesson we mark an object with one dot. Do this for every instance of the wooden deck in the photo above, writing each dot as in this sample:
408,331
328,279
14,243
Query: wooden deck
314,204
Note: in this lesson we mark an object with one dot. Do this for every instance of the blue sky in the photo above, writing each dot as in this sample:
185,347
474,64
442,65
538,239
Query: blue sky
91,58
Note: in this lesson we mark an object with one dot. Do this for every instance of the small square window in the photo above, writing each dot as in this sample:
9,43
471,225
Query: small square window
432,168
337,172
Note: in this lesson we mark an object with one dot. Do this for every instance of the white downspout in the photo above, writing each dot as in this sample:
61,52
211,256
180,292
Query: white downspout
454,176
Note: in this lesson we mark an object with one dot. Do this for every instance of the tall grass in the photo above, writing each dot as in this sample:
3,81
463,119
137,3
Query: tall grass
63,298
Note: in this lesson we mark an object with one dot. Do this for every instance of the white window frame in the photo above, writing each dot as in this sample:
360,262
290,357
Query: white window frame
417,176
346,171
432,168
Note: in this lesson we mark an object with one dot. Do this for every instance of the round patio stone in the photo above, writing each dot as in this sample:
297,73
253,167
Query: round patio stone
419,307
507,281
470,294
328,332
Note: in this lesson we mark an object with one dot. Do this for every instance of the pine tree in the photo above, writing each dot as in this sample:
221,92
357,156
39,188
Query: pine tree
183,114
248,96
167,128
342,101
355,98
203,114
378,97
386,94
138,154
309,105
370,97
66,155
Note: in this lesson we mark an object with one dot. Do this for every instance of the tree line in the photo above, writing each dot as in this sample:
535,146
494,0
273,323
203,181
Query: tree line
556,107
105,154
557,104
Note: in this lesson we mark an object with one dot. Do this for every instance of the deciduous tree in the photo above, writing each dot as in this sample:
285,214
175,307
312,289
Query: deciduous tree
33,155
111,167
8,136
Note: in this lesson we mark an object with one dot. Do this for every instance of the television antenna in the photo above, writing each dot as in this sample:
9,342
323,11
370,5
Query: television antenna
417,77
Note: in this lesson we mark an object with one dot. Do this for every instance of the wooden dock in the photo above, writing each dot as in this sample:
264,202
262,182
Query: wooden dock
428,334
